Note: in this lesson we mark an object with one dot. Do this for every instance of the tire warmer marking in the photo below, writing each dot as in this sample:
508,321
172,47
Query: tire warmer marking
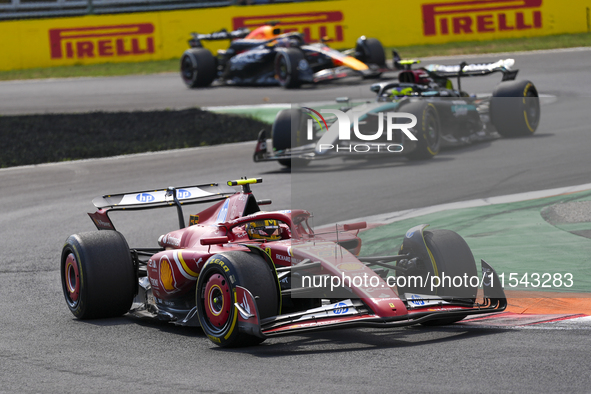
183,267
525,112
235,317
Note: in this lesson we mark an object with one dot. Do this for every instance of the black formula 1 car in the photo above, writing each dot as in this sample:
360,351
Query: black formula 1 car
438,115
244,275
265,56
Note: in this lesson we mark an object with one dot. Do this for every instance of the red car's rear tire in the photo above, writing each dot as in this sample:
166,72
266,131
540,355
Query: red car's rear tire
98,275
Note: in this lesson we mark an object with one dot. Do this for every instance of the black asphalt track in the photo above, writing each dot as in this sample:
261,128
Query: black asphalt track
44,349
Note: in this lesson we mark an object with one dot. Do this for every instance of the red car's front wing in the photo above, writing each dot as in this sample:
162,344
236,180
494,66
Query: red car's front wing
322,319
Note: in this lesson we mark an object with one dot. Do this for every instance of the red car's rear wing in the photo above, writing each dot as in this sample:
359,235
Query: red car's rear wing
149,199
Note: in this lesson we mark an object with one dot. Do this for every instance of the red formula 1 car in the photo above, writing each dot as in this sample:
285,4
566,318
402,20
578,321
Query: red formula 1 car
245,275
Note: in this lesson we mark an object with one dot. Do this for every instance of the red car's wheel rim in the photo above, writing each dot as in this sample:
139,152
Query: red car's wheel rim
72,278
218,301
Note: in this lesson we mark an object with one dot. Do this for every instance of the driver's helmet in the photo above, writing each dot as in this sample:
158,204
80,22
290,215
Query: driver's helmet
286,42
264,229
402,92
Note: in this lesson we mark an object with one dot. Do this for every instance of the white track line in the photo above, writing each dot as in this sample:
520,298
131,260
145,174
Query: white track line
411,213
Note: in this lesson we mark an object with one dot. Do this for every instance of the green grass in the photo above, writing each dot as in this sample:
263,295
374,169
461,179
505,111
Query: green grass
93,70
172,65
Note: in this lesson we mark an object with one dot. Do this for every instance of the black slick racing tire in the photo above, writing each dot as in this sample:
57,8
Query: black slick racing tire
287,67
515,108
453,258
98,275
198,67
216,291
372,52
429,130
285,121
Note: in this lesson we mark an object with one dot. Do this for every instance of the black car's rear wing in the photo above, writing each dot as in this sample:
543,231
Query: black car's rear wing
474,70
149,199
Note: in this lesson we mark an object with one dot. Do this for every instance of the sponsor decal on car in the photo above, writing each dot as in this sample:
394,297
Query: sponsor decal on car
171,240
313,25
167,276
145,197
104,41
223,212
416,300
421,300
340,308
282,257
478,16
183,193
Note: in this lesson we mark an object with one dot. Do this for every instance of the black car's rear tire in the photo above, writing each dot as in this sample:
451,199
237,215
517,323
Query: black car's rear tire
215,291
98,275
515,108
429,127
198,68
286,67
285,121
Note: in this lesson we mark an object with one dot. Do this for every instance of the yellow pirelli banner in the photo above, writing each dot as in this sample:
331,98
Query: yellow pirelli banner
164,34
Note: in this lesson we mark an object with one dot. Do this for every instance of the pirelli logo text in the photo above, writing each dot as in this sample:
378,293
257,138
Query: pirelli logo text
313,25
102,41
481,16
